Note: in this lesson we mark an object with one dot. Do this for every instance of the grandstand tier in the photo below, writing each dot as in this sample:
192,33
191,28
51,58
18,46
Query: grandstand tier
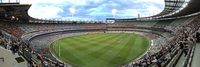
173,40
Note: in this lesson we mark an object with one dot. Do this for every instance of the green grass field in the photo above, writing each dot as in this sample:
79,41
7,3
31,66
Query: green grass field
100,50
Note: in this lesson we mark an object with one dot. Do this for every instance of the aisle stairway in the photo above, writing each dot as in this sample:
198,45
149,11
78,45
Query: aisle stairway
7,59
196,57
180,62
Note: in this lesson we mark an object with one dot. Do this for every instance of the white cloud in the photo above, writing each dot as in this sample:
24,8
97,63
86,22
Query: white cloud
129,13
74,2
104,7
154,10
44,12
153,1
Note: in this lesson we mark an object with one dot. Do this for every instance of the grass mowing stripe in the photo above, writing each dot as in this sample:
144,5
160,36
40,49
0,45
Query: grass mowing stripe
117,43
76,54
86,39
80,39
111,42
75,42
68,55
97,54
85,46
103,43
74,51
90,55
105,47
89,41
114,52
84,52
133,43
140,42
116,55
93,37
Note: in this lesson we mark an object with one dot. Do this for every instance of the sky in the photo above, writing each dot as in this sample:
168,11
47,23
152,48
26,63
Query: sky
92,9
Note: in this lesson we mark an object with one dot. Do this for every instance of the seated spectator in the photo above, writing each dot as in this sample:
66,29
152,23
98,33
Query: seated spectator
185,49
168,56
154,60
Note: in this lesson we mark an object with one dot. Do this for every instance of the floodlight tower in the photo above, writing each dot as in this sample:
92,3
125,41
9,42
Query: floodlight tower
72,11
114,11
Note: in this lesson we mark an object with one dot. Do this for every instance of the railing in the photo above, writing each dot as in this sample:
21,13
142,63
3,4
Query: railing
9,1
193,24
188,62
2,59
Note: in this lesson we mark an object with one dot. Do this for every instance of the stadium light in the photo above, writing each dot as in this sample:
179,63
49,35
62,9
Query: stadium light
72,11
114,11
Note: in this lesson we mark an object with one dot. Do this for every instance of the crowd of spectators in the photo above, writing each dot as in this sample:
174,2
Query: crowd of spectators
10,44
18,47
146,24
12,29
67,26
176,23
162,23
183,39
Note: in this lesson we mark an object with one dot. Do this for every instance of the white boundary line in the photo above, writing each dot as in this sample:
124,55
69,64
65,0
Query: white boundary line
74,34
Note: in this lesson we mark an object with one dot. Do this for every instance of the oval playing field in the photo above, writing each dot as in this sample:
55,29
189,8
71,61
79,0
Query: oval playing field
100,50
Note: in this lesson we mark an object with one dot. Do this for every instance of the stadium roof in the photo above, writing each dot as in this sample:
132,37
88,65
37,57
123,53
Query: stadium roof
193,7
14,11
177,8
173,8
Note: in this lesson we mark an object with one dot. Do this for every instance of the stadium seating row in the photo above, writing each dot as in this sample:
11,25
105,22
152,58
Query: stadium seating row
181,41
168,43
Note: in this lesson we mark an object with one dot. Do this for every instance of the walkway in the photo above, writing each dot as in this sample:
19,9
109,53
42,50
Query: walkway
196,57
9,59
180,62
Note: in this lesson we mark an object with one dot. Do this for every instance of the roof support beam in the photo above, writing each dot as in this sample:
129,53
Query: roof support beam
175,1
